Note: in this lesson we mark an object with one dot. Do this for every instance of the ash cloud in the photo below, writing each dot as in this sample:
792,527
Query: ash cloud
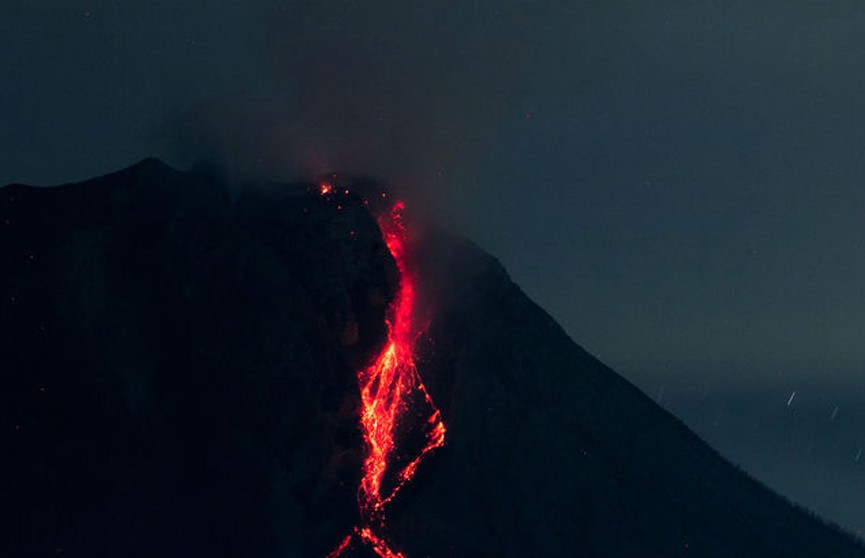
410,93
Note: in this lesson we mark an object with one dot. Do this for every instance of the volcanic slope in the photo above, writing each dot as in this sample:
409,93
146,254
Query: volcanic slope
178,377
552,453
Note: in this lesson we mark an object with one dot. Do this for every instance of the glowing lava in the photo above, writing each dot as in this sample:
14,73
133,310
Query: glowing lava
400,423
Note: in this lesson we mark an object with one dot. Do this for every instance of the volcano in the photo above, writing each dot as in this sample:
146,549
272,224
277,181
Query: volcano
186,367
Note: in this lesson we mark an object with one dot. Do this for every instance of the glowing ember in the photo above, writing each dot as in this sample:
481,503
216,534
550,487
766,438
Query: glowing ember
341,548
392,396
325,188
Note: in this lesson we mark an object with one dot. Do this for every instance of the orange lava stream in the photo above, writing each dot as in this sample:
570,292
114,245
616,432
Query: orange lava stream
390,389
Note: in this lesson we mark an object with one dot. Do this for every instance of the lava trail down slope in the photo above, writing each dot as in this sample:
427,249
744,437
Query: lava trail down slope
392,394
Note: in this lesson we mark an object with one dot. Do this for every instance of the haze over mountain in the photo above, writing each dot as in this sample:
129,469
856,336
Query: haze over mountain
178,378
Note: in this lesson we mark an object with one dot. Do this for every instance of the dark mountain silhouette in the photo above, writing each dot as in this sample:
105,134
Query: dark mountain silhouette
178,378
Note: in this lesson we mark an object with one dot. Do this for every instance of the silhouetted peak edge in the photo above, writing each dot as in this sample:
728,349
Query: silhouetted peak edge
150,166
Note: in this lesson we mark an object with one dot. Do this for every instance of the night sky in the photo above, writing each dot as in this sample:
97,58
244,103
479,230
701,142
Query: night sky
680,184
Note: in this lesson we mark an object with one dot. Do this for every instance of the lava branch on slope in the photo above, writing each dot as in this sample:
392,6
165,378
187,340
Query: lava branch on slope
392,396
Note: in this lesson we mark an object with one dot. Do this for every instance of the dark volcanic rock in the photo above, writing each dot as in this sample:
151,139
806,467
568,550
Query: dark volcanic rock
177,378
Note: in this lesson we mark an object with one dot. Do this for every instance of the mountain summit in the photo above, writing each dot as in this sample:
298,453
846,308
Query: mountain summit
178,377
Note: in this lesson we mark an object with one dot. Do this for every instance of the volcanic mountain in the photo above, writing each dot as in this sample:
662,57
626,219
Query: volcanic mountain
179,366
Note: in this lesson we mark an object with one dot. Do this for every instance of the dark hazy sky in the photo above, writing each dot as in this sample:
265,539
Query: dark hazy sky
679,183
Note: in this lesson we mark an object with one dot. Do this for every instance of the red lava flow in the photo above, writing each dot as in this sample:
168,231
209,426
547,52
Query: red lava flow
393,396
